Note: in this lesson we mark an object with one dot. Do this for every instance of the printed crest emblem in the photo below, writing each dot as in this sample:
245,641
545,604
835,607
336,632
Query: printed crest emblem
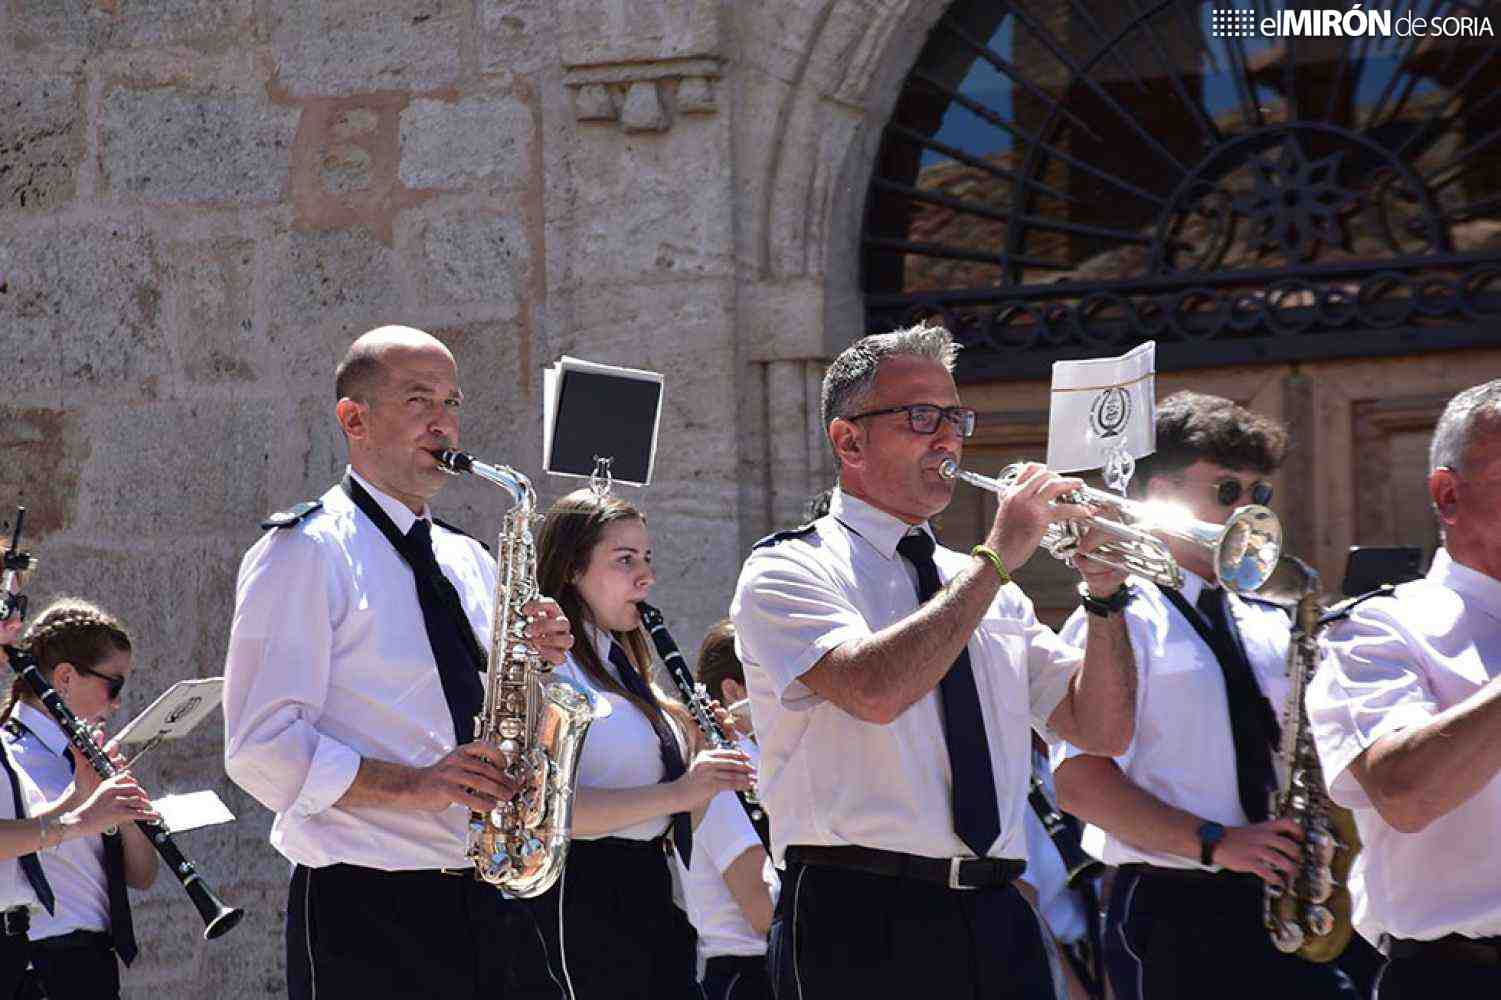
1111,412
182,711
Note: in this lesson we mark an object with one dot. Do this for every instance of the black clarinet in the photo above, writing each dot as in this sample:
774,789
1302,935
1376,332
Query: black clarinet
217,918
696,697
1079,865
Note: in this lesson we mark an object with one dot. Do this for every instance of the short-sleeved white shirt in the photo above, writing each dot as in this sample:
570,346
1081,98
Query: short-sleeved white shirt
1183,750
15,888
621,749
1394,663
830,779
724,834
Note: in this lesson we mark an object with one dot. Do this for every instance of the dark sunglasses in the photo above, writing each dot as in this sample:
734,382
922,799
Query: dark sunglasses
924,417
1229,490
116,684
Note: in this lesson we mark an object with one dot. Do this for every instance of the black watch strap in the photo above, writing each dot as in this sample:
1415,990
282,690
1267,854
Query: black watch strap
1210,835
1105,606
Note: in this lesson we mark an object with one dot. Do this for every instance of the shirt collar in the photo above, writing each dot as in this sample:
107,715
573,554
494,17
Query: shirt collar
1472,583
882,530
1193,586
400,514
43,726
602,639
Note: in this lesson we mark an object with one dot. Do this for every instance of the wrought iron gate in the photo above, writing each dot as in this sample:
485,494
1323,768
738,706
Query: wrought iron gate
1061,178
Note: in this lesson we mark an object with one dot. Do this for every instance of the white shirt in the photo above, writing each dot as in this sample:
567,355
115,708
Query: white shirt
1391,665
1061,908
725,834
75,868
830,779
621,750
1183,751
15,888
329,662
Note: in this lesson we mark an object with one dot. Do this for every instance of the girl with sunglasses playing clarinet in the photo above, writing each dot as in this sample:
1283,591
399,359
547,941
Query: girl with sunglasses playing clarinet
90,854
609,927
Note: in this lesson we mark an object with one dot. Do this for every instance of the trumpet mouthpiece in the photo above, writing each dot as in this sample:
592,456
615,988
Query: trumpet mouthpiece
949,469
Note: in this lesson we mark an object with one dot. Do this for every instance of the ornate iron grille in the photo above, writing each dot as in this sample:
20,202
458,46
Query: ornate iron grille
1062,178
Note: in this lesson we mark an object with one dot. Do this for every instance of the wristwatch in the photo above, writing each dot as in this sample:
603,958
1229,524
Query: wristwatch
1210,835
1105,606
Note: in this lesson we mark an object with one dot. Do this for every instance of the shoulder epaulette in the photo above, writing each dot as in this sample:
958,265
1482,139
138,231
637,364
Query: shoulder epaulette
460,531
782,536
290,516
1343,608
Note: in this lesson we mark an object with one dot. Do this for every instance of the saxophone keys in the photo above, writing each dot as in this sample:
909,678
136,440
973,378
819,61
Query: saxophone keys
1288,937
1323,845
1319,884
1318,919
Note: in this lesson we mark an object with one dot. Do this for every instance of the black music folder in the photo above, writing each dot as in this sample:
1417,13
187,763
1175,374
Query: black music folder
600,421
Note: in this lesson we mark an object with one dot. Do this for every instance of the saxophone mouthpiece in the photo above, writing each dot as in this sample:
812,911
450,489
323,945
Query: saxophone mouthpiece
454,462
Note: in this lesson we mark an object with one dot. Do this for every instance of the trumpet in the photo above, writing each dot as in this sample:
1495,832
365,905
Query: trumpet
1244,550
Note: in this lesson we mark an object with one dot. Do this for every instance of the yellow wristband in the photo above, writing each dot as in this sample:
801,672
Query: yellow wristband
995,560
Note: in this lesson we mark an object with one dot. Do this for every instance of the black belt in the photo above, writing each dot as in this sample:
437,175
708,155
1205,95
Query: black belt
15,922
1450,948
956,873
1224,878
729,965
658,844
94,940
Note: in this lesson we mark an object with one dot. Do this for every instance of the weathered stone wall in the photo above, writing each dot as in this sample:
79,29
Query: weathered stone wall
203,201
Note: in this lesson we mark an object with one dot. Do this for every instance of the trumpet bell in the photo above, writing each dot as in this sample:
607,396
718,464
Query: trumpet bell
1245,547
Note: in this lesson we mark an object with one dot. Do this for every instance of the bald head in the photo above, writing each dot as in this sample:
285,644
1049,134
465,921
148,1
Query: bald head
366,363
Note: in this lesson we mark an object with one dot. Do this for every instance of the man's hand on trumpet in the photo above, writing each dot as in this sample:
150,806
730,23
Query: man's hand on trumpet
1101,580
1026,509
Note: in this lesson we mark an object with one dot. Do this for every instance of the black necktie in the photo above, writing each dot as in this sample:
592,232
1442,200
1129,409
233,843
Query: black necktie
120,924
977,817
1253,724
31,865
672,757
456,651
440,602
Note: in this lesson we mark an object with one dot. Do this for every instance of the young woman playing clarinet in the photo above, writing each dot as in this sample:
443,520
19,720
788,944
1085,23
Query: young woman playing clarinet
29,822
610,928
85,654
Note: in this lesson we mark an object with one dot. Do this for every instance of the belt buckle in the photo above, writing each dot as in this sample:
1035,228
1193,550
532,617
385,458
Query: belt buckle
954,882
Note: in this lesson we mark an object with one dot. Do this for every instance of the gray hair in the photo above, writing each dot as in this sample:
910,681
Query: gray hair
848,382
1456,429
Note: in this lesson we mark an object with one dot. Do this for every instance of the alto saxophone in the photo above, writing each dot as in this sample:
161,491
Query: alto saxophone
1311,917
521,845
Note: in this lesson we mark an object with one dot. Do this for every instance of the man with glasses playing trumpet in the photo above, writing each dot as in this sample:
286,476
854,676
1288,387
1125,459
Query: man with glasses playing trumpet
1184,810
894,684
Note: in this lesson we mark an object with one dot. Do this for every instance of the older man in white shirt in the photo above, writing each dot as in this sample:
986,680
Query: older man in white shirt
1406,710
350,693
894,685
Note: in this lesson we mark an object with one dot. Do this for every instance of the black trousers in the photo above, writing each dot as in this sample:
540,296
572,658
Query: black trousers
15,953
609,930
737,977
361,932
80,964
841,933
1424,977
1169,936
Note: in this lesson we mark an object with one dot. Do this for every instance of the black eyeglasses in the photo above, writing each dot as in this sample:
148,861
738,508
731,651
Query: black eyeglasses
1229,490
116,684
924,417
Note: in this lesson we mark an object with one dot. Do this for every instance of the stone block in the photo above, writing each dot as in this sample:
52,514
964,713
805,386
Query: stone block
166,146
168,469
446,144
101,24
82,309
42,132
213,312
594,33
516,36
358,46
474,256
321,291
44,450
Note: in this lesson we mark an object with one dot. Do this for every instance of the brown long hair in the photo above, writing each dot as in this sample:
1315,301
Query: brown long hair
717,661
571,529
68,630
